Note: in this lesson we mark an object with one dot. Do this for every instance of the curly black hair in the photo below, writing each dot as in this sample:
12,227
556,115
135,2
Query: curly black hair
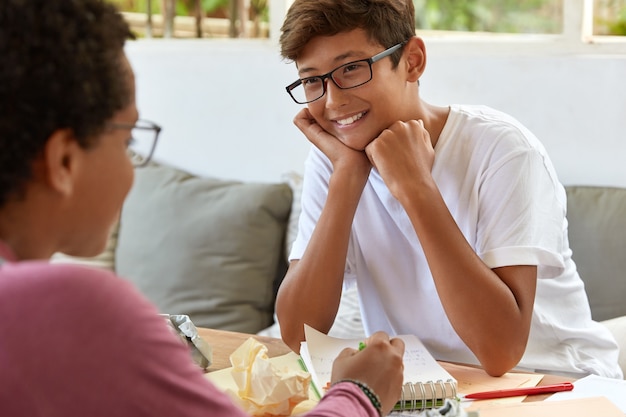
60,67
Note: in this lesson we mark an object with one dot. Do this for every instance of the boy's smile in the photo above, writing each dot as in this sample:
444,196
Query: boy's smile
351,119
356,115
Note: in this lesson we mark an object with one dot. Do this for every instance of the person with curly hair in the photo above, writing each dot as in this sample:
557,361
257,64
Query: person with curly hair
78,341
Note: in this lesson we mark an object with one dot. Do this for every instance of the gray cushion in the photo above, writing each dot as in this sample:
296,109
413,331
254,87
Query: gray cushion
204,247
597,235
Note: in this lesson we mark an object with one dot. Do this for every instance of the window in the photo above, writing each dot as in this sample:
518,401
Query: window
509,16
609,17
196,18
580,19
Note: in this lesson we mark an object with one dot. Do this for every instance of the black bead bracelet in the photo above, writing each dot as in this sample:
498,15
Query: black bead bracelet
373,397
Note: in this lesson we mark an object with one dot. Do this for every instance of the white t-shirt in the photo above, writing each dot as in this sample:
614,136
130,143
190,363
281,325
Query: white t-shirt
504,195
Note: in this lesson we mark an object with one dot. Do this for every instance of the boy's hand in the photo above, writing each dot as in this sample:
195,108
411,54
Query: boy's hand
333,148
402,152
379,365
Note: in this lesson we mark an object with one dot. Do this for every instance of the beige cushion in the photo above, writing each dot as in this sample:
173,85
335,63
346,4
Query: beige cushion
597,235
204,247
617,326
295,183
105,260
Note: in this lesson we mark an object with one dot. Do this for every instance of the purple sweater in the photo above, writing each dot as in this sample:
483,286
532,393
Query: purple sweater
76,341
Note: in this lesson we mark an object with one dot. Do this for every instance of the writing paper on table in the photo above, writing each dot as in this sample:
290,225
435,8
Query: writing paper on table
472,379
594,385
426,383
580,407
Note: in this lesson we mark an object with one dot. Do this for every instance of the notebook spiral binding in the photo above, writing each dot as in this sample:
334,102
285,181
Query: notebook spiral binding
420,396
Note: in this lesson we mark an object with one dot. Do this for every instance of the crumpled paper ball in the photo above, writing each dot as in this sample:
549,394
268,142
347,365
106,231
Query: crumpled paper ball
263,389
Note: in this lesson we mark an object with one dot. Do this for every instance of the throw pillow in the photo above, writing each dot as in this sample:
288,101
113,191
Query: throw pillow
597,236
105,260
204,247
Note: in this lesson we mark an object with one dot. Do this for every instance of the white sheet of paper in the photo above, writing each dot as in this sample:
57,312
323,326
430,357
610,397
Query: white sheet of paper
593,386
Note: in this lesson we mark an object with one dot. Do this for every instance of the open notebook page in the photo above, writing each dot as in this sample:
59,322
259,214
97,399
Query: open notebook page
320,350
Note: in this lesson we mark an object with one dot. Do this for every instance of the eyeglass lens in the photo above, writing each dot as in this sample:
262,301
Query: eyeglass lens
350,75
141,145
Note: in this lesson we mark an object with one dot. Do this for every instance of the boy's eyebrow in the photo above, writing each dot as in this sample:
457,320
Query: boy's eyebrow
337,60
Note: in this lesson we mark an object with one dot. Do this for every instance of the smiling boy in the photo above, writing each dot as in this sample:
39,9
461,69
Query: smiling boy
450,220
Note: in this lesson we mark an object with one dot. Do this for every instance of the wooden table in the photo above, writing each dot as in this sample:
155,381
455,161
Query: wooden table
223,343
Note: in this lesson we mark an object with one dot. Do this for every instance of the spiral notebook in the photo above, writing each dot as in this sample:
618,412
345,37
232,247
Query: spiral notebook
426,383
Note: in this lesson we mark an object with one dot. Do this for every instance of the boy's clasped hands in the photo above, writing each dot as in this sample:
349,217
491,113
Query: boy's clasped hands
401,152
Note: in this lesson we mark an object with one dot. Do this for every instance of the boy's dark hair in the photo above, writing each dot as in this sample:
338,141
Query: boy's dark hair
388,22
60,67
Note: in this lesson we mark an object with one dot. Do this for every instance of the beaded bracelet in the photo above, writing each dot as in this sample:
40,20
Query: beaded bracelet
373,397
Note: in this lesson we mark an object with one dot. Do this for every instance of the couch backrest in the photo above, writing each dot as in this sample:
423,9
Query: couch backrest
208,248
597,235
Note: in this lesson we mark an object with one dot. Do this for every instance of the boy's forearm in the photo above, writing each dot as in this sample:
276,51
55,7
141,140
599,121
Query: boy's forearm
489,309
311,290
302,301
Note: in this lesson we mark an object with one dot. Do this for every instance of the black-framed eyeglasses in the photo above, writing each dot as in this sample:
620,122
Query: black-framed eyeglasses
144,136
350,75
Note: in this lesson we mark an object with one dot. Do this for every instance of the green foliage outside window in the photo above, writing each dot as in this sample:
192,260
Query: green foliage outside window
186,7
499,16
609,17
503,16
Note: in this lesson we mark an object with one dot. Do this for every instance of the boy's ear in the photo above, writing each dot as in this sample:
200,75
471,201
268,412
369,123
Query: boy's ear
415,54
59,160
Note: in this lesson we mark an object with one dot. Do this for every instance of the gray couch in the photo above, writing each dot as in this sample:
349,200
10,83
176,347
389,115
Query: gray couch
597,235
216,250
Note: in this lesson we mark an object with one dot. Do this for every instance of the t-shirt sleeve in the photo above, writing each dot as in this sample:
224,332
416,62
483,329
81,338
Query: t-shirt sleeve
521,214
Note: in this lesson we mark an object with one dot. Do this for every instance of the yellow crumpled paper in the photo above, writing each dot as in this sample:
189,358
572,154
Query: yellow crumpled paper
263,389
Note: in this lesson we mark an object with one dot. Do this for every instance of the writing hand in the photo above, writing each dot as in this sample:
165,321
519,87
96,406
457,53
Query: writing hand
379,366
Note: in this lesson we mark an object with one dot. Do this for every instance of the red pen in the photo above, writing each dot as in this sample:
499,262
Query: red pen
514,392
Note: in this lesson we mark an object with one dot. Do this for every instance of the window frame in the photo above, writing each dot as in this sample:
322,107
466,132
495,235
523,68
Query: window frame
577,35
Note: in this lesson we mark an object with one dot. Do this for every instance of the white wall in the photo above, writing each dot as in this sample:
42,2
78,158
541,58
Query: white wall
225,112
